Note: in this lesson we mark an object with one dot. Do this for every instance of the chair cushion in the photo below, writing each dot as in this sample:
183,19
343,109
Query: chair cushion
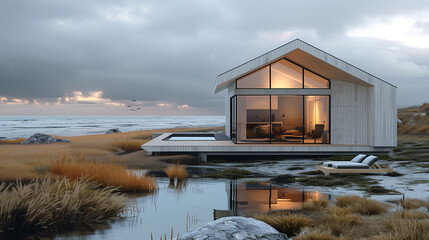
370,160
359,158
329,164
350,165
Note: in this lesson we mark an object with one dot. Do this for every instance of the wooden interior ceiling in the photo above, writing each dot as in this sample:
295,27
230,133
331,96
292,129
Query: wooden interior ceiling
321,67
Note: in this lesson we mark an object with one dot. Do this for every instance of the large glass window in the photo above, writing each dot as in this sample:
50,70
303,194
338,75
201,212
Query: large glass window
286,117
258,79
253,119
312,80
316,119
282,74
280,119
285,74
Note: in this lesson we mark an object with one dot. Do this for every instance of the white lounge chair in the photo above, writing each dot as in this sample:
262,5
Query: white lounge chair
368,165
358,159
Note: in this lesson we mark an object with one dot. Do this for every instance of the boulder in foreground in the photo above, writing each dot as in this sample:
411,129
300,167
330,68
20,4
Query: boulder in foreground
40,138
113,130
239,228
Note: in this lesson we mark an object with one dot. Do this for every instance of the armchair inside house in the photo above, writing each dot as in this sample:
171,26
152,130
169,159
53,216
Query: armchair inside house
317,132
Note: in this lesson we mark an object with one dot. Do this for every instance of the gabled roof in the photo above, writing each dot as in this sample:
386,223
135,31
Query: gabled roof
305,55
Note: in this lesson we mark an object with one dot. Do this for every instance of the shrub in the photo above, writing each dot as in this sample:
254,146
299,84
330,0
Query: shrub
107,174
59,202
176,171
314,205
290,223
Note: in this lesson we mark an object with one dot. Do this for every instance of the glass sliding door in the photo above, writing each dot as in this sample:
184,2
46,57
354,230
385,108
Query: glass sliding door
287,119
253,119
293,119
316,117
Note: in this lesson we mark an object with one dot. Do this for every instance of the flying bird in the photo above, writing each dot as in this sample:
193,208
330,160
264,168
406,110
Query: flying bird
128,106
133,100
138,108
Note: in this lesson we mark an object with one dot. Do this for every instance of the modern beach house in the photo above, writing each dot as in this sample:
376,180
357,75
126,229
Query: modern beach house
296,100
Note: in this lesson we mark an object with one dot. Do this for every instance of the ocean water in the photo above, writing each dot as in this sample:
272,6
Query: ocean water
25,126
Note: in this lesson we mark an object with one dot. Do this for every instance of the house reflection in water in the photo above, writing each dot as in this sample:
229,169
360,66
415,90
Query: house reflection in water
250,198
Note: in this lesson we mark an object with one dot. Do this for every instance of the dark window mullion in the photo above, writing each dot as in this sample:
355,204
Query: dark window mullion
303,119
270,127
303,77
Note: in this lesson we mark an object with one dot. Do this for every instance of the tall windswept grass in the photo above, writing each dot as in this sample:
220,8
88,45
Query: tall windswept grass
58,202
289,223
314,205
318,234
129,145
176,171
108,174
339,220
411,203
408,229
410,214
362,205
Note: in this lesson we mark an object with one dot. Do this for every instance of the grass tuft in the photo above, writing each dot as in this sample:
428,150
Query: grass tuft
362,205
290,223
59,202
411,229
176,171
409,214
411,203
107,174
318,234
314,205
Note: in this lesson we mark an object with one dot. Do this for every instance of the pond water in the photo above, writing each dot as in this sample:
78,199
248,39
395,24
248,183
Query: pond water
191,204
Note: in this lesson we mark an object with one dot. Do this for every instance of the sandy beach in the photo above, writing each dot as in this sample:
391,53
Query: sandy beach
28,161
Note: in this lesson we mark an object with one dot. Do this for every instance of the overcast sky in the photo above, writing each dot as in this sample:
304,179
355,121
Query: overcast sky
92,57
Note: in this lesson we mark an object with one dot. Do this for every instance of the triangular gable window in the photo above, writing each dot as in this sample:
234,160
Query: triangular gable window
258,79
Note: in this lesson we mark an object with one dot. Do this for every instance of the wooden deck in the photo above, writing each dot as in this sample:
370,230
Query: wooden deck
227,147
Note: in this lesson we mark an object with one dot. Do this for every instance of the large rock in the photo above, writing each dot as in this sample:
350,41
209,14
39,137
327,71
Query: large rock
113,130
40,138
238,228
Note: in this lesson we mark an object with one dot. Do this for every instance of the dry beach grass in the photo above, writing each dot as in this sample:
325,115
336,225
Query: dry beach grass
344,221
22,161
56,202
108,174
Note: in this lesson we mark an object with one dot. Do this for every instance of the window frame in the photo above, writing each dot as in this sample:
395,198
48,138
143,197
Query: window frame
236,140
269,79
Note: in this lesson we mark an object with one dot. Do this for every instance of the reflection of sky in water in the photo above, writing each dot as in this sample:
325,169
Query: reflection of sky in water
191,206
169,207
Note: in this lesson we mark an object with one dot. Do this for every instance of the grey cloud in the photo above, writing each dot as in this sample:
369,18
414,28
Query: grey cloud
175,49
